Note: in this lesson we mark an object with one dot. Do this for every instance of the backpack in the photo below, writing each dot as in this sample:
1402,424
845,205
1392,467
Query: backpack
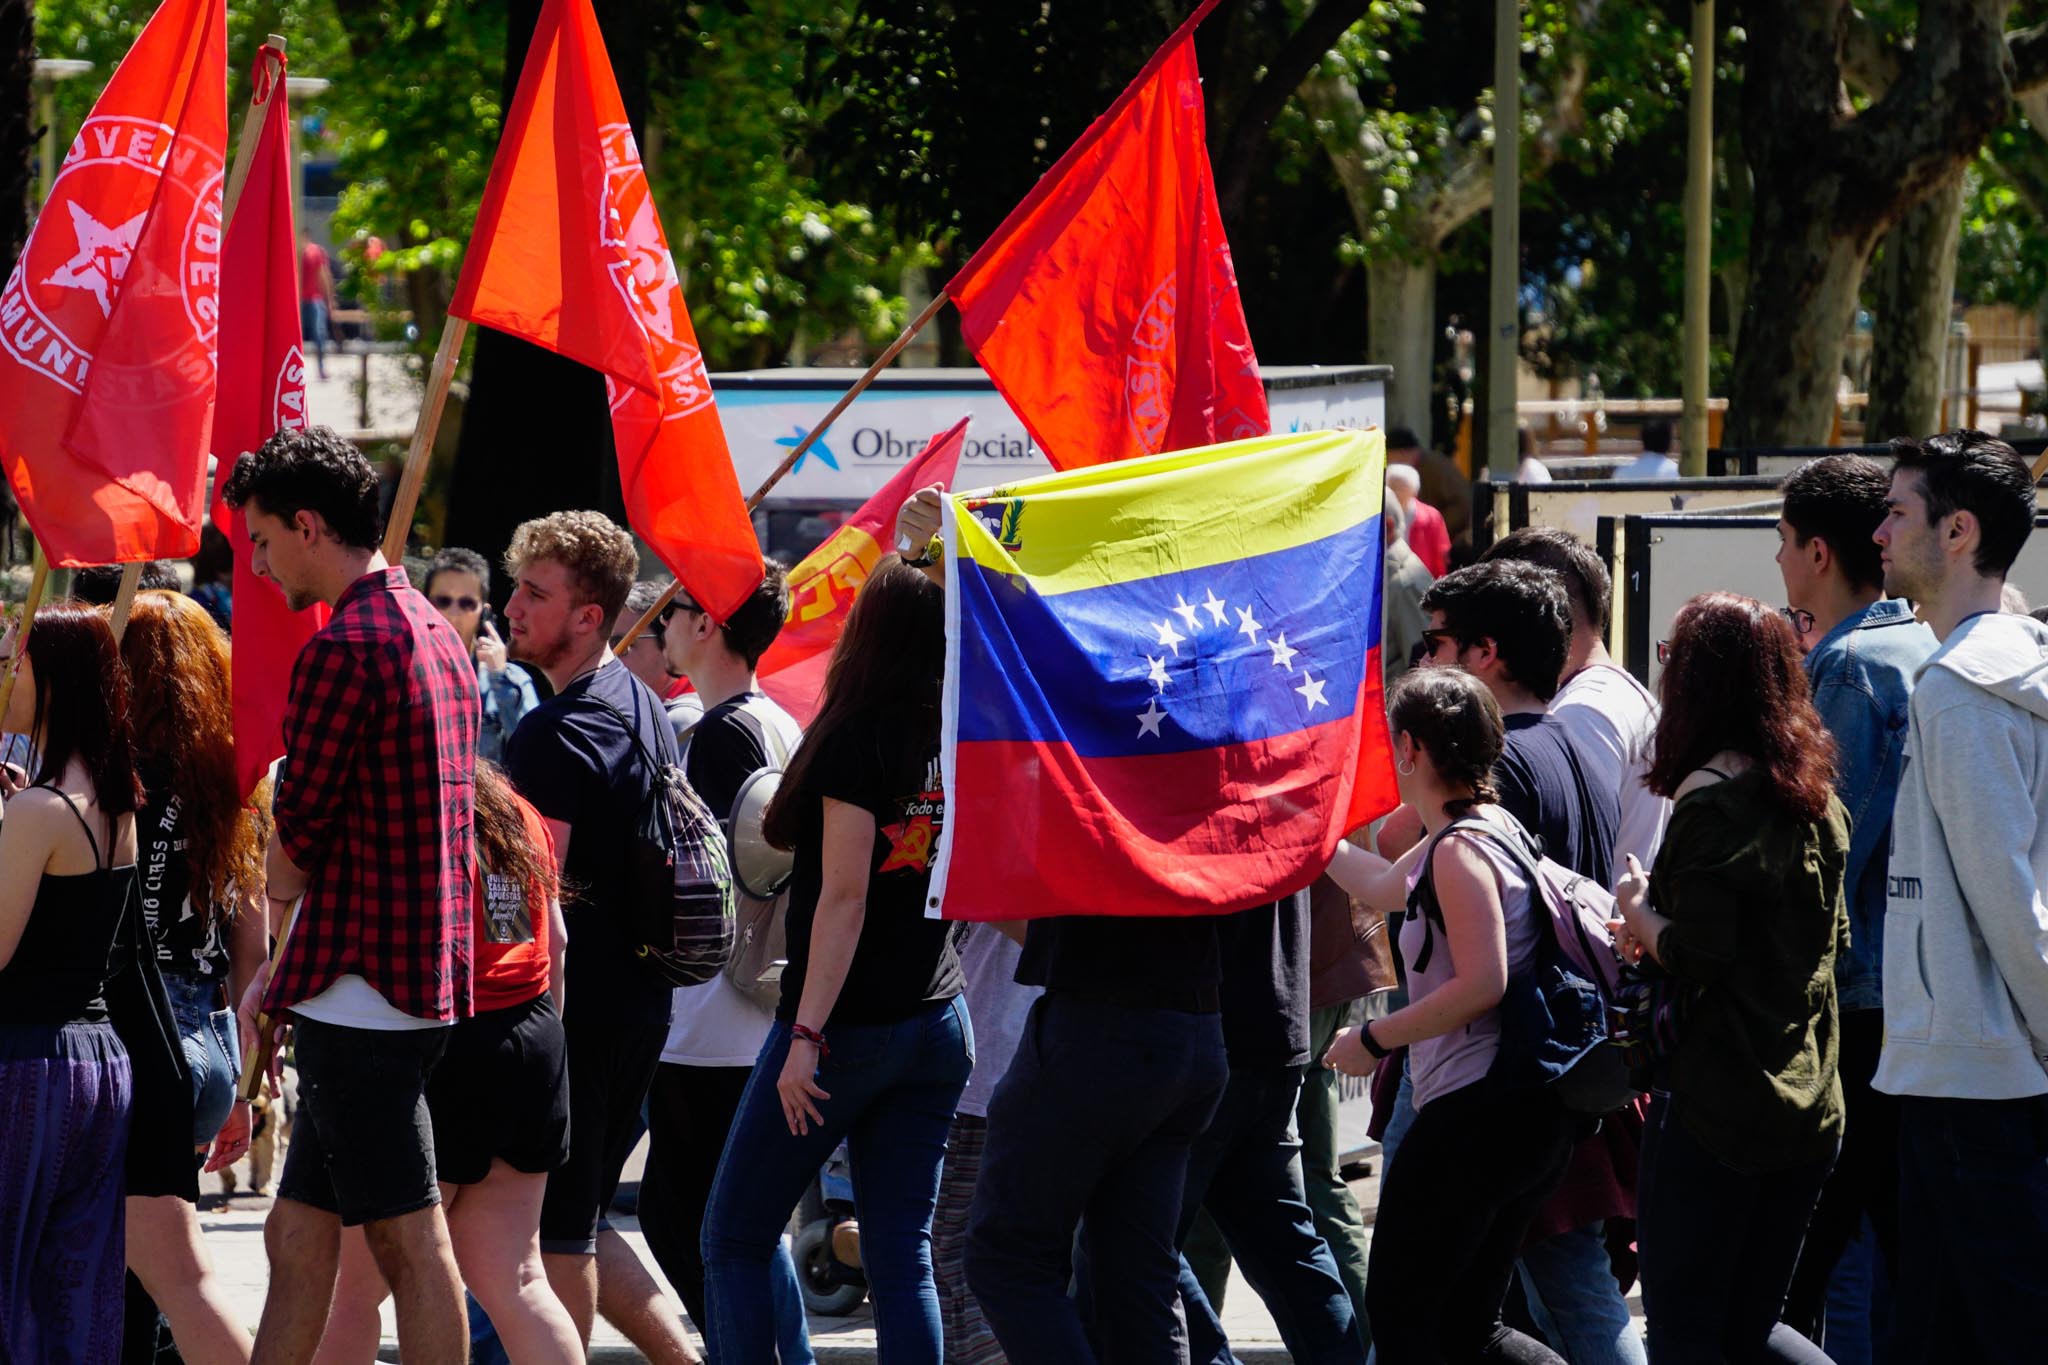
679,897
1554,1013
761,911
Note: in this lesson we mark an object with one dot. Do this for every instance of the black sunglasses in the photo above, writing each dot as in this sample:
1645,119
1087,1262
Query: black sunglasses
444,602
1431,637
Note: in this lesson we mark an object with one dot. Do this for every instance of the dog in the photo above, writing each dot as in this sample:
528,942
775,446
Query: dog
270,1131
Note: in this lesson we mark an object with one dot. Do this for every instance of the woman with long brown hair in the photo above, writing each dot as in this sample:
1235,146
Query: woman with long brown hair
499,1102
199,871
67,876
871,1042
1744,914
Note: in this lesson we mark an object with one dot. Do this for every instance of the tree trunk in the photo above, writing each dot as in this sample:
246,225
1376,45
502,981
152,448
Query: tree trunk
1802,293
536,434
1401,331
17,126
1915,278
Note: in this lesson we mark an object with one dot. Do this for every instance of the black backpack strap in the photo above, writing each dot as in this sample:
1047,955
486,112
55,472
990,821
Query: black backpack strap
1423,898
654,764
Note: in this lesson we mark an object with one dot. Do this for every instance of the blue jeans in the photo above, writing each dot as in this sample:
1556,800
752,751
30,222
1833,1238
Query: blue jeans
1091,1127
213,1050
1718,1243
1574,1298
1973,1200
1399,1121
1245,1170
891,1093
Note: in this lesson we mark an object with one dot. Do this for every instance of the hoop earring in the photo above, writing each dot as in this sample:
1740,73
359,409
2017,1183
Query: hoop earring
1408,771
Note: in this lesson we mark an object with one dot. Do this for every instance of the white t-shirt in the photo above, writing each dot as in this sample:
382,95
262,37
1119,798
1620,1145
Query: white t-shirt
1648,465
1532,470
352,1002
713,1024
1611,720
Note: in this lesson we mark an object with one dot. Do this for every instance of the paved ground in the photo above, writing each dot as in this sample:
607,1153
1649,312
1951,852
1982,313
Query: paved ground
234,1234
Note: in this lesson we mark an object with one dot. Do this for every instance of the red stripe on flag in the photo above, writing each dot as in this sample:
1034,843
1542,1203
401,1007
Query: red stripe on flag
1192,833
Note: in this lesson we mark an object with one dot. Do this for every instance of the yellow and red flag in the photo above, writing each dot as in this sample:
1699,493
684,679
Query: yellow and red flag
569,254
108,324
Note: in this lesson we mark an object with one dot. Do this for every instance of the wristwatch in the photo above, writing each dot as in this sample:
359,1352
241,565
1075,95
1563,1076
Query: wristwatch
1371,1043
934,552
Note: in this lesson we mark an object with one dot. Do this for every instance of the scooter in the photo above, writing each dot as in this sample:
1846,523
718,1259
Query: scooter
827,1242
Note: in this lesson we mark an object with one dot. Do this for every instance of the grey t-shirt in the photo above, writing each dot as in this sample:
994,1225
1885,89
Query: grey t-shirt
997,1005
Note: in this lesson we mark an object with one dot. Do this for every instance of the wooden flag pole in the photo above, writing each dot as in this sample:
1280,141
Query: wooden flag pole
399,527
231,195
38,584
2040,466
882,362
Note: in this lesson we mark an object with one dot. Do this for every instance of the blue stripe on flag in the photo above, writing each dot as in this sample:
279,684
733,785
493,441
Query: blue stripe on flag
1148,665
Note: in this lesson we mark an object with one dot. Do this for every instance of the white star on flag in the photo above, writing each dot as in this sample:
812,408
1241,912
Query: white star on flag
1168,636
1185,612
102,257
1159,678
1215,605
1247,624
1283,653
1312,689
1149,719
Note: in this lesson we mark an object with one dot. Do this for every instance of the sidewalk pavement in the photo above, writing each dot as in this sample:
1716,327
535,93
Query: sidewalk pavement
234,1235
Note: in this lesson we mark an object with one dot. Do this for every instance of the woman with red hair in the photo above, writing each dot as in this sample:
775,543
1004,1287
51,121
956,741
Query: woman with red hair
1744,914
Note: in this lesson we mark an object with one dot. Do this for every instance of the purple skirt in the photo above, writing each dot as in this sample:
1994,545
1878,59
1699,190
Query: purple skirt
64,1097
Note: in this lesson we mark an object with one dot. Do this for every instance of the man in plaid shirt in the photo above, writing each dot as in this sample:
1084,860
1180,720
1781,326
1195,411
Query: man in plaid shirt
374,832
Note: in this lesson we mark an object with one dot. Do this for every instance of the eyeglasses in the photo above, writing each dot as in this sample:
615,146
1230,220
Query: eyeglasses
444,602
1430,639
1802,621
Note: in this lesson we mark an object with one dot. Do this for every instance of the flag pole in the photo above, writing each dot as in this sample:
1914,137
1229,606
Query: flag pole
423,433
38,583
789,462
231,195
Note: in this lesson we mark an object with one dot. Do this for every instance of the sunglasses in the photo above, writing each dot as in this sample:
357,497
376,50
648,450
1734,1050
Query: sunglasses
442,601
1430,639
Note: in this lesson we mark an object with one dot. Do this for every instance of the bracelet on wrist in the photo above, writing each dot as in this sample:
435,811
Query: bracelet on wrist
806,1034
1372,1044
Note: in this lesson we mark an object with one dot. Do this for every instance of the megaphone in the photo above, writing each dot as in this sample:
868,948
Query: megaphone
760,868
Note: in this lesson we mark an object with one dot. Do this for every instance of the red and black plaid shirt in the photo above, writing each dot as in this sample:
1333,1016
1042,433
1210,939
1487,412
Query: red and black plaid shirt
374,802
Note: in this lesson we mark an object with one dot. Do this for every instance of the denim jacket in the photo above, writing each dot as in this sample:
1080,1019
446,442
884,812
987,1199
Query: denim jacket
507,697
1862,675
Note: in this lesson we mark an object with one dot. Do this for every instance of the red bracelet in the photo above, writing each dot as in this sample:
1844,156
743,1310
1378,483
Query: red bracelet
811,1036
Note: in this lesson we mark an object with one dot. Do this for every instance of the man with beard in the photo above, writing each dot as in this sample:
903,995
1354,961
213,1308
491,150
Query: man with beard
575,760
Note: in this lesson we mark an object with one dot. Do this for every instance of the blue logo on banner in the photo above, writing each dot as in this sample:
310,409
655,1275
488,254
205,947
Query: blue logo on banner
818,448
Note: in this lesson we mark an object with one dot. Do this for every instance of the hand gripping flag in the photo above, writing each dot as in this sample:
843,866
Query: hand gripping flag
1163,690
569,254
262,392
824,582
107,325
1105,307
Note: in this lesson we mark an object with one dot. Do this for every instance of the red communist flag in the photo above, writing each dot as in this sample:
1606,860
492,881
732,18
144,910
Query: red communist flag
107,325
569,254
262,392
824,583
1105,307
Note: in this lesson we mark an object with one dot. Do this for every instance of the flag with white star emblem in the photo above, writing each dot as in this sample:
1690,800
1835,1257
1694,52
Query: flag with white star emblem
1163,689
109,323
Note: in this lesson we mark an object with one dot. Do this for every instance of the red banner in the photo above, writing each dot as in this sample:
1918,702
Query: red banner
1105,307
824,583
108,323
569,254
262,392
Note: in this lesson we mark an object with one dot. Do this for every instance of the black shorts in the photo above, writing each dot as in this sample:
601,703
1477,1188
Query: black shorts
362,1146
611,1064
502,1091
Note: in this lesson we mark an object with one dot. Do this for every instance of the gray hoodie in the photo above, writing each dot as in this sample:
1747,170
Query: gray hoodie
1966,924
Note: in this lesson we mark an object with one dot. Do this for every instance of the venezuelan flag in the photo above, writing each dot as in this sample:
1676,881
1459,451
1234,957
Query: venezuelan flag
1163,689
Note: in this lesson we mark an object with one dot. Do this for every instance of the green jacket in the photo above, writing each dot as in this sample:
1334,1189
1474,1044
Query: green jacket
1757,916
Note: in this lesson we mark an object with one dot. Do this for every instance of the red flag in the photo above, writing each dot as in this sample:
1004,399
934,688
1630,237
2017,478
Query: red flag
262,392
107,325
823,584
1105,307
569,254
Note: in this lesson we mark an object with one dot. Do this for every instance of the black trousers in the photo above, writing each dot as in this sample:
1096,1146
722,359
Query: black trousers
1865,1180
1457,1202
689,1112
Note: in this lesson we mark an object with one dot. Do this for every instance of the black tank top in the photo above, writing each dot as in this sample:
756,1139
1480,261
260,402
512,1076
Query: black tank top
59,971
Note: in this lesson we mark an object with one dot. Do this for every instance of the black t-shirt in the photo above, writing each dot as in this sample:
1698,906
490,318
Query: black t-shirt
1265,984
903,959
189,935
724,752
1539,785
575,763
1172,963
